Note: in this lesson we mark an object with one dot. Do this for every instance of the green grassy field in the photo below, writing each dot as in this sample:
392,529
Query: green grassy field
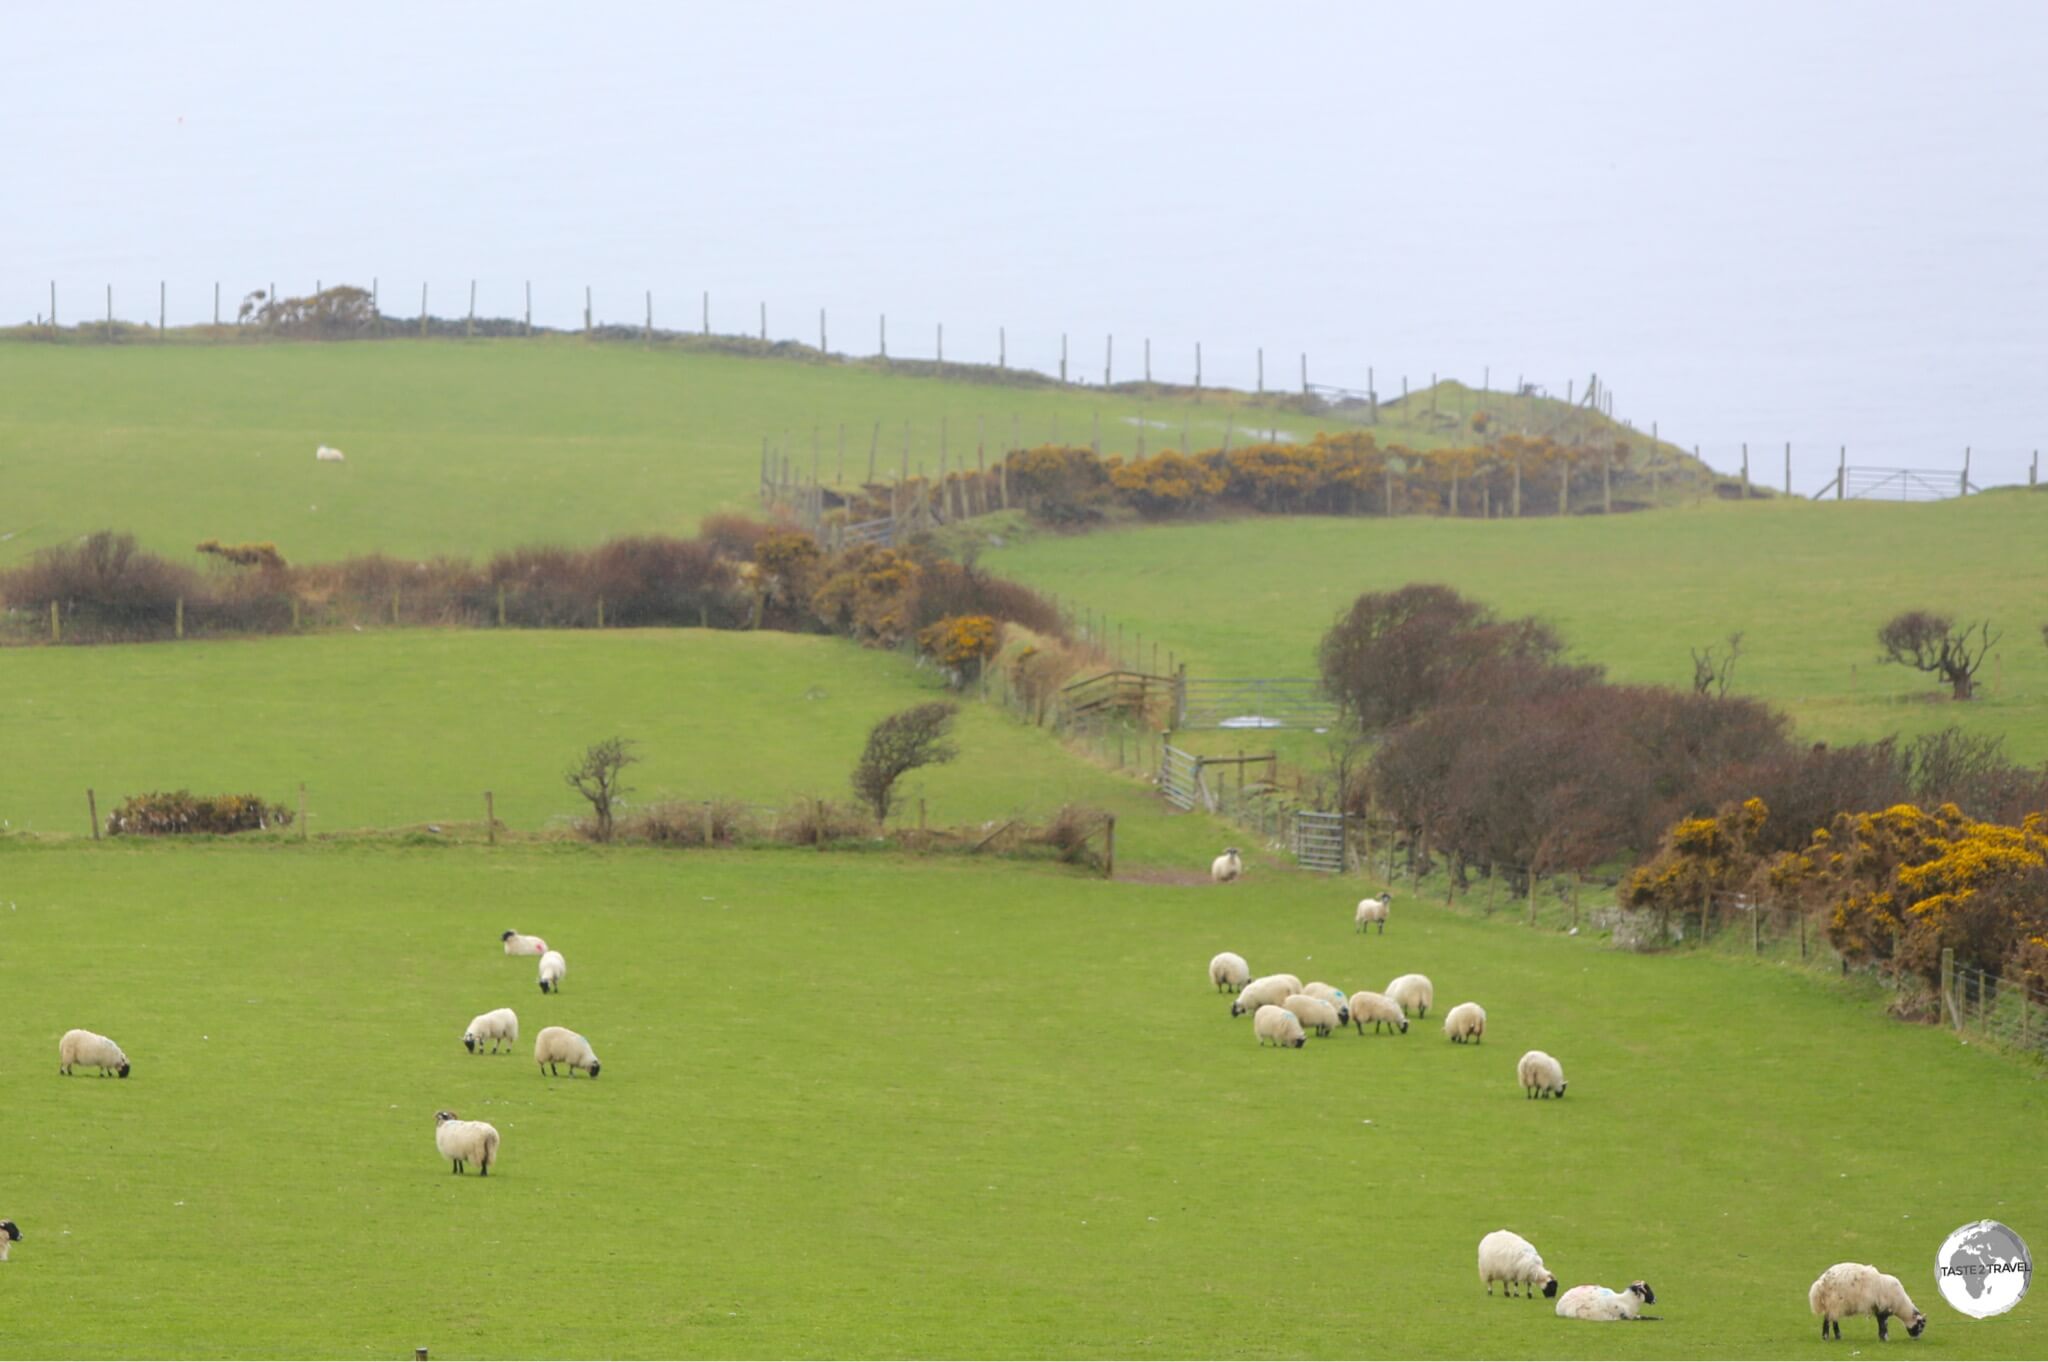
1808,585
861,1106
464,448
411,726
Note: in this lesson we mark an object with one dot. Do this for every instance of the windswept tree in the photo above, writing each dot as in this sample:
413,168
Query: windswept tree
899,744
1710,673
1928,642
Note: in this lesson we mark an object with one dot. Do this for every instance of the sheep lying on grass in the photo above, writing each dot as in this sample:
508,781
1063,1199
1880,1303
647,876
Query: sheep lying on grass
89,1047
465,1142
1598,1303
1540,1076
516,944
1226,867
9,1233
1466,1021
1859,1289
1508,1258
1229,973
1278,1025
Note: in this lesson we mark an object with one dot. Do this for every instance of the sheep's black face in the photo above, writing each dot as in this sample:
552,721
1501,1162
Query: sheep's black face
1919,1323
469,1044
10,1229
1404,1026
543,985
1300,1041
1237,1009
594,1066
1550,1287
443,1116
507,936
123,1070
1561,1087
1643,1289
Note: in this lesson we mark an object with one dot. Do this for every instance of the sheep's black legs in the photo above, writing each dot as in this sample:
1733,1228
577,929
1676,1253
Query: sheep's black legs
1882,1321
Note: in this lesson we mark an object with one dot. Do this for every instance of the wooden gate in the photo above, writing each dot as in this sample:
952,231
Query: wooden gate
1319,841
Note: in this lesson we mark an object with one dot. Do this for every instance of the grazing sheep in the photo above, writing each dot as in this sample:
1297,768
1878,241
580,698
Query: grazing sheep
1273,988
465,1142
1280,1026
1226,867
1313,1011
1598,1303
1540,1076
1374,910
1229,972
1508,1258
1334,996
1293,981
1413,992
1376,1008
9,1232
1466,1021
552,968
1859,1289
501,1025
559,1045
327,454
88,1047
515,944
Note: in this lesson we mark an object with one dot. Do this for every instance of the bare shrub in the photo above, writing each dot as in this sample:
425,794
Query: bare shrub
103,585
597,779
1071,832
653,579
817,822
692,823
736,536
182,812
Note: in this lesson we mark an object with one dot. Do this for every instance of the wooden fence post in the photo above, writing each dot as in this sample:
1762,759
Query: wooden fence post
491,817
302,811
56,624
1948,982
92,810
180,626
1109,848
1745,470
501,605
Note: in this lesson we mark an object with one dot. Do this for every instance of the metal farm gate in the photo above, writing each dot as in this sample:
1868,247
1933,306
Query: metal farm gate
1253,702
1180,778
1319,841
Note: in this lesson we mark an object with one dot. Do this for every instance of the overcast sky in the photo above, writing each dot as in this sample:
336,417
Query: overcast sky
1756,222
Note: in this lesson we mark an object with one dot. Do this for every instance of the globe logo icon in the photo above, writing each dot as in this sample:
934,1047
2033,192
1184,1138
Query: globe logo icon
1983,1269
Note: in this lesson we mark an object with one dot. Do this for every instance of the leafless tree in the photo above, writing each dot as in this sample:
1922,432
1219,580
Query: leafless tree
597,779
1711,674
1928,642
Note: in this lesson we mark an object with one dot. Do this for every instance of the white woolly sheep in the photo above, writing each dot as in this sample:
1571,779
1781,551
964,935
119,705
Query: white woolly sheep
1313,1012
1273,988
1334,996
1374,910
9,1232
1294,984
1466,1021
559,1045
515,944
1540,1076
465,1142
1229,973
1378,1009
1598,1303
1280,1026
327,454
1412,993
1226,867
89,1047
1859,1289
496,1026
552,968
1508,1258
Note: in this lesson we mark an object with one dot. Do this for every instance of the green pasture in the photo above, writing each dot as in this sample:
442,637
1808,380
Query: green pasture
864,1106
1807,584
411,726
468,447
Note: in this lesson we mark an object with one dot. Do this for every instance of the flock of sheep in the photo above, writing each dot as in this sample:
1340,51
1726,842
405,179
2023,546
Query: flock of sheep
1284,1010
465,1142
460,1142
